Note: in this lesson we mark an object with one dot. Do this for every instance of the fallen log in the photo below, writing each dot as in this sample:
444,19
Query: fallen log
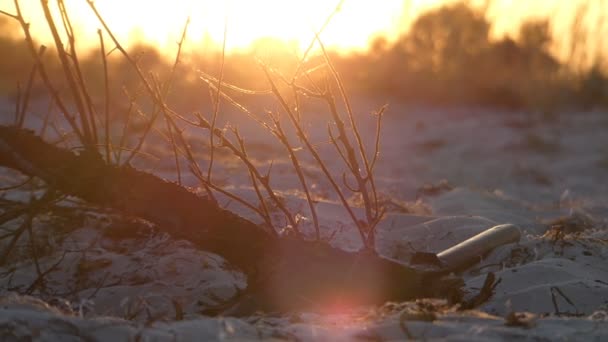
173,208
283,273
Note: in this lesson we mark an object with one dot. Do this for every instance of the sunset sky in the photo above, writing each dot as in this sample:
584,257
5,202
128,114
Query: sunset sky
160,22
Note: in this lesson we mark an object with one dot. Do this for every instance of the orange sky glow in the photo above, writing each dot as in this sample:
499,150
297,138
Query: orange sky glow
352,28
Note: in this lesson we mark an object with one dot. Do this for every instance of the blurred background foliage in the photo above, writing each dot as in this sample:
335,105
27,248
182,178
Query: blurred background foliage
446,58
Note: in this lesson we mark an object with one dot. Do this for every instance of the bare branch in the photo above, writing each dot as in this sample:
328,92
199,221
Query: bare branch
216,103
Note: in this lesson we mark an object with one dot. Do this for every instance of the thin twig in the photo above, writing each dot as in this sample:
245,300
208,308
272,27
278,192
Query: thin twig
18,104
47,117
144,135
41,275
166,94
379,114
106,82
154,94
210,79
28,90
312,43
73,55
30,211
264,208
18,185
282,137
43,74
34,252
193,164
371,204
14,16
126,127
67,72
238,105
316,156
263,180
216,107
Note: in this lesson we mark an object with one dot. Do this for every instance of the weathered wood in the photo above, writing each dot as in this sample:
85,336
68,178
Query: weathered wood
476,247
284,273
173,208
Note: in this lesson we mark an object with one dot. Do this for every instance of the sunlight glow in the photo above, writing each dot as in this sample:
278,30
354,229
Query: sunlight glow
293,22
161,22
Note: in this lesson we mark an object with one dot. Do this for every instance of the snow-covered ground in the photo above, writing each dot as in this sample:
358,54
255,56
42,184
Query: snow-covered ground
445,174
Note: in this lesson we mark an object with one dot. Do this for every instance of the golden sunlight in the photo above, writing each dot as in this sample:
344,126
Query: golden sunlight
352,28
161,22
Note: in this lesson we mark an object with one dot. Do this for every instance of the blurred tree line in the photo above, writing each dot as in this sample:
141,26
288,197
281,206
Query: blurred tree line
446,58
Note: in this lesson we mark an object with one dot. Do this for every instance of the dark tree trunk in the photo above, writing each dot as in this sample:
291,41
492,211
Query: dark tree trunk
283,273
